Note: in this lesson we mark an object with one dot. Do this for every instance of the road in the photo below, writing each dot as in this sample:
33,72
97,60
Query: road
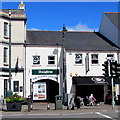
39,112
105,115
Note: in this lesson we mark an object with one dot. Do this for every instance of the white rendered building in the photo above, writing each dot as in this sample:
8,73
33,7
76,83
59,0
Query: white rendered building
14,20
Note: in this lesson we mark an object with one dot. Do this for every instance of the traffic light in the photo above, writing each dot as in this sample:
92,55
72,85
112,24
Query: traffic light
113,68
106,69
118,70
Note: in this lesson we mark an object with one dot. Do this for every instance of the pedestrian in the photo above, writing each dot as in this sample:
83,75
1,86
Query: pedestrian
78,102
91,100
86,101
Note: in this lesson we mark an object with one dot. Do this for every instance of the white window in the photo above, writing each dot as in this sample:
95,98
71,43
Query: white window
36,60
110,57
51,59
5,57
5,29
78,58
16,86
94,58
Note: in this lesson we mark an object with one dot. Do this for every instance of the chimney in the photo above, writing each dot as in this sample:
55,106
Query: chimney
21,6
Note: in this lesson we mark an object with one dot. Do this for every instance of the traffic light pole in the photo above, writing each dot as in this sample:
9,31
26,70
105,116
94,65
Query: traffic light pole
112,83
112,70
112,93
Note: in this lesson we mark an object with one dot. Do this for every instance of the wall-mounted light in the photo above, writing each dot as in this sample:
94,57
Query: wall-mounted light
76,74
70,74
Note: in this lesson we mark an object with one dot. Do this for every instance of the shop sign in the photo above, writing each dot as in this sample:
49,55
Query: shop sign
44,77
45,71
39,91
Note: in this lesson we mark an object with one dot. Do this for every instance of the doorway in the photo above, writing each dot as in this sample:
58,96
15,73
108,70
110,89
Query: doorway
45,90
86,90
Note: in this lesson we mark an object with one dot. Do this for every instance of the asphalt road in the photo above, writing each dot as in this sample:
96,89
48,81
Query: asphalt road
56,119
107,115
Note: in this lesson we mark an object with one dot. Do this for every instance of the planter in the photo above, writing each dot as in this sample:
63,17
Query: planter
14,106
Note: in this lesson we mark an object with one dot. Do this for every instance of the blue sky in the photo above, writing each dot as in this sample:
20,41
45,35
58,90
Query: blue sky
77,16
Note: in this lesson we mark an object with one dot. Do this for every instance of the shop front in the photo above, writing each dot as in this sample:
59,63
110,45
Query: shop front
45,84
85,86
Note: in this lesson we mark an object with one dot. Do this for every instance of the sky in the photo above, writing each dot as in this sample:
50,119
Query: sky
77,16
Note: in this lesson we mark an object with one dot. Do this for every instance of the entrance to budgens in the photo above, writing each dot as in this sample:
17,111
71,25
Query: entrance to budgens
45,90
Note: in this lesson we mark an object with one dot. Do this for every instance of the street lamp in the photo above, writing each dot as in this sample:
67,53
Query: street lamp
9,92
64,68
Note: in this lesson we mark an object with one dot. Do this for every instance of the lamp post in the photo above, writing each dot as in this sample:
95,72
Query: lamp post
9,92
64,69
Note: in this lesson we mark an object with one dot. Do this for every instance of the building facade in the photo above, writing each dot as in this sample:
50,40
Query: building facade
84,54
110,28
13,26
49,63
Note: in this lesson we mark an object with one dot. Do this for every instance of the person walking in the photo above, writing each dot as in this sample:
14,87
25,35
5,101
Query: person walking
78,102
91,100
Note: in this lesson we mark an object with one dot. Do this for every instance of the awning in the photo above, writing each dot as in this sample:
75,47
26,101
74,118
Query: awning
90,80
79,80
115,80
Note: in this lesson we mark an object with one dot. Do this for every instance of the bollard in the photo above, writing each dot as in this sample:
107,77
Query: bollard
48,106
29,103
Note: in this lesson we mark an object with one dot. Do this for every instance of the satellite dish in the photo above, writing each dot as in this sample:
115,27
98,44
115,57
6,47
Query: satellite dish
55,51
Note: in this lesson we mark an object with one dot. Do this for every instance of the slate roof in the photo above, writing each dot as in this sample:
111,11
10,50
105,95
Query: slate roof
74,41
15,13
114,17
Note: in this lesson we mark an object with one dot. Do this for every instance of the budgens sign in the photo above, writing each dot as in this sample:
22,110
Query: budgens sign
45,71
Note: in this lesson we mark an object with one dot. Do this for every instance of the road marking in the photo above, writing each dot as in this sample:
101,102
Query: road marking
13,115
62,114
77,113
106,116
117,111
42,114
104,110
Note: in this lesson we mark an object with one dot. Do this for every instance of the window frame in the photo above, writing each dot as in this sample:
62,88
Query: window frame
5,29
81,59
5,55
111,57
38,60
49,60
95,59
16,83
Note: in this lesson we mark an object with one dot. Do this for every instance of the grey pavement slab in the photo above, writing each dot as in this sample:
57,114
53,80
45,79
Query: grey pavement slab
41,108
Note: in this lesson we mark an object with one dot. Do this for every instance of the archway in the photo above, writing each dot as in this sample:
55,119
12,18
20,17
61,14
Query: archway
45,90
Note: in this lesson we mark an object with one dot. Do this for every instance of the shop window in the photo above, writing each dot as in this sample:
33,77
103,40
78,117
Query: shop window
5,29
5,57
36,60
51,59
16,86
94,58
78,58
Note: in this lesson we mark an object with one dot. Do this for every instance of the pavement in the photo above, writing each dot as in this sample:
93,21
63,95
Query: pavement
41,108
40,112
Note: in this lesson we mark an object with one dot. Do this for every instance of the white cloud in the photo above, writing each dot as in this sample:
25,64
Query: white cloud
34,29
81,27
